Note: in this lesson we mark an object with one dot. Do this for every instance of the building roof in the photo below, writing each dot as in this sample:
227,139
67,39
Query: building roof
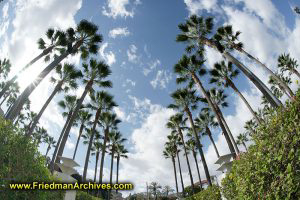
226,165
224,158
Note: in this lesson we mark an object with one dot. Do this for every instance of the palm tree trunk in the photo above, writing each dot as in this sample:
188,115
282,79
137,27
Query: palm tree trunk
175,174
232,85
181,179
254,79
111,166
48,149
106,131
282,83
197,166
6,96
187,110
232,149
87,158
96,164
59,141
37,118
118,163
296,72
78,139
245,146
13,79
72,119
26,93
212,141
187,160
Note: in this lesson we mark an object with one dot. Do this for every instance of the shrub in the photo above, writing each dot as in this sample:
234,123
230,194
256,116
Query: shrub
188,190
211,193
21,162
81,195
271,167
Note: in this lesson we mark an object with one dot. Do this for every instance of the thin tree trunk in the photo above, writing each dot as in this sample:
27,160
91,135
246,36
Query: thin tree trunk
59,141
111,166
72,119
78,139
212,141
118,163
199,146
211,105
4,99
197,166
281,83
86,164
48,149
232,85
37,118
179,166
106,131
296,72
13,79
97,158
187,159
26,93
245,146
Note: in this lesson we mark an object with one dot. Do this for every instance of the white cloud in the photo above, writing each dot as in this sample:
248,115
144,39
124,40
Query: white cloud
132,54
118,32
119,8
130,82
194,6
162,79
120,113
70,145
109,57
151,66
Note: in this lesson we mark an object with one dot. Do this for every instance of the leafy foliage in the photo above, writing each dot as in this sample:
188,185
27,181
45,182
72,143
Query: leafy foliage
81,195
270,168
211,193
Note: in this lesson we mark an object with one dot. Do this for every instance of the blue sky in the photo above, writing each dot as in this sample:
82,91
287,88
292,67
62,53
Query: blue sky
139,45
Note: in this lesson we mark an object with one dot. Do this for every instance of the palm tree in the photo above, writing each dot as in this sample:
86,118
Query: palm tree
167,189
188,69
205,120
69,103
184,99
174,142
154,188
84,118
50,142
286,63
86,41
101,101
170,152
241,139
191,146
66,80
109,121
4,68
223,74
195,32
56,38
228,39
11,94
250,127
121,152
97,146
94,74
39,134
276,88
175,123
297,10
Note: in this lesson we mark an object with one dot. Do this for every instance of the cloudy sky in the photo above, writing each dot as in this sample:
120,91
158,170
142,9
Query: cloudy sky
139,45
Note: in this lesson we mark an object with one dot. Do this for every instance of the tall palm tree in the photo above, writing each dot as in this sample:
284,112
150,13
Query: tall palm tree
276,88
101,101
50,142
154,188
39,134
205,120
84,118
169,152
175,123
11,94
188,69
67,76
57,40
5,66
97,146
84,39
121,152
68,103
94,74
229,40
241,139
109,121
223,75
191,146
184,99
196,30
286,63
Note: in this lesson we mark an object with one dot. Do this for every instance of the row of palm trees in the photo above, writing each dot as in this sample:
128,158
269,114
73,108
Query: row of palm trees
92,117
198,33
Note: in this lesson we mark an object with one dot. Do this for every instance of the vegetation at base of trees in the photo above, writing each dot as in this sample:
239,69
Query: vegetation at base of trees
188,191
270,168
22,162
211,193
81,195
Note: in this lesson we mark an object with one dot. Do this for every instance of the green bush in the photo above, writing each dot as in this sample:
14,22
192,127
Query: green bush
211,193
271,167
188,190
21,161
81,195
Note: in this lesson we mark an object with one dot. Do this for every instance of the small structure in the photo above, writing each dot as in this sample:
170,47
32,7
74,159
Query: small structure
67,170
225,163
